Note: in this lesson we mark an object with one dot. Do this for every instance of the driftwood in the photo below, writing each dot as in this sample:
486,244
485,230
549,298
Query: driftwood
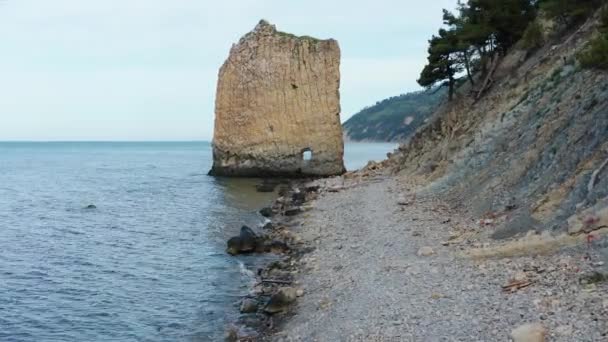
596,173
276,281
516,285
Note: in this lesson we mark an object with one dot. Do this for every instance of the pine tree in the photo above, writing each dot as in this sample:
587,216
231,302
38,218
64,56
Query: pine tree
443,63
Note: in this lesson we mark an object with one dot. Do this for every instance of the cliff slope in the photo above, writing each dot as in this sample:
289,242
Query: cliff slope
532,152
278,100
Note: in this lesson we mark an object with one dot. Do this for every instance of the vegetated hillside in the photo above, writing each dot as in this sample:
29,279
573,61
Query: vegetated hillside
532,152
395,118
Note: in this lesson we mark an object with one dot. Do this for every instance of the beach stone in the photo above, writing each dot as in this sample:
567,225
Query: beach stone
277,247
293,211
532,332
231,334
249,305
281,300
426,251
312,188
520,276
402,200
298,198
564,330
266,212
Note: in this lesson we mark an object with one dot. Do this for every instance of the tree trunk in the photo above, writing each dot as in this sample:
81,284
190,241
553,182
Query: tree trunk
467,65
451,89
482,57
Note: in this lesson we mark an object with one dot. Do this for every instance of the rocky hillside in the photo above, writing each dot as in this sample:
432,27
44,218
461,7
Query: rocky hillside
395,118
532,152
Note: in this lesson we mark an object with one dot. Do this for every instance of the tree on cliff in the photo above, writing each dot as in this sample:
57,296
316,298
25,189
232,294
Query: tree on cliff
443,62
503,21
473,35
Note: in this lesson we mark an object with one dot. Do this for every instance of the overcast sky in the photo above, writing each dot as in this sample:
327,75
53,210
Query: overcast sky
147,69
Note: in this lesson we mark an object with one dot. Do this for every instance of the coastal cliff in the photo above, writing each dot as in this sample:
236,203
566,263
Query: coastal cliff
490,223
278,107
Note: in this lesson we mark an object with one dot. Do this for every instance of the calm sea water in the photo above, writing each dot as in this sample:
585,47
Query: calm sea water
148,264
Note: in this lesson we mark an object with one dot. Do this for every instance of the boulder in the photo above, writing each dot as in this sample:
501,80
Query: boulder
234,245
298,198
246,242
532,332
313,188
249,305
277,247
293,211
248,239
266,212
590,219
281,300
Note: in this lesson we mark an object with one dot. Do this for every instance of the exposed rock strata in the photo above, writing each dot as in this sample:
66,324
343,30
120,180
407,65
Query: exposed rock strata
532,150
277,100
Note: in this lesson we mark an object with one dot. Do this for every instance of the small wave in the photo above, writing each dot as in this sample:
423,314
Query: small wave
247,272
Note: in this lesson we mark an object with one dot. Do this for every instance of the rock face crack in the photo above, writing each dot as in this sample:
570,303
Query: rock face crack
274,79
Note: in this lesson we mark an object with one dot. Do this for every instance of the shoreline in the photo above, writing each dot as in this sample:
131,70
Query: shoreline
373,267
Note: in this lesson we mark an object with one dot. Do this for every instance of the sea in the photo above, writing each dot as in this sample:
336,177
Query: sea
124,241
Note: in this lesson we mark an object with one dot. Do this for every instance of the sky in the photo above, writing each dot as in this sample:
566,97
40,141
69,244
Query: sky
147,69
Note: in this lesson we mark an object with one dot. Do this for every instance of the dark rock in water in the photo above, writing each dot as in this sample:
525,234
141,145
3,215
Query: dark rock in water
298,198
234,245
246,242
268,226
267,185
266,212
249,305
248,239
257,322
231,334
281,300
293,211
276,246
91,206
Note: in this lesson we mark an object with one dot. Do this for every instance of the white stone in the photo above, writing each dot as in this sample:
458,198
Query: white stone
532,332
426,251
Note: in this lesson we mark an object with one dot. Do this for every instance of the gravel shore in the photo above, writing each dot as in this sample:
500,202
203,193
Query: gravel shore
386,265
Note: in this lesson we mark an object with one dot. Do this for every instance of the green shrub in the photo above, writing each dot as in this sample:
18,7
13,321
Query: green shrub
595,55
533,36
570,12
603,28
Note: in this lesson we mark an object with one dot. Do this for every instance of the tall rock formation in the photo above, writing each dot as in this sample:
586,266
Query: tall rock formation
277,109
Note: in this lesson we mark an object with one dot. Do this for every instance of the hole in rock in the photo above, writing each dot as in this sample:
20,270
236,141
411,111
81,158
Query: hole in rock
306,154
